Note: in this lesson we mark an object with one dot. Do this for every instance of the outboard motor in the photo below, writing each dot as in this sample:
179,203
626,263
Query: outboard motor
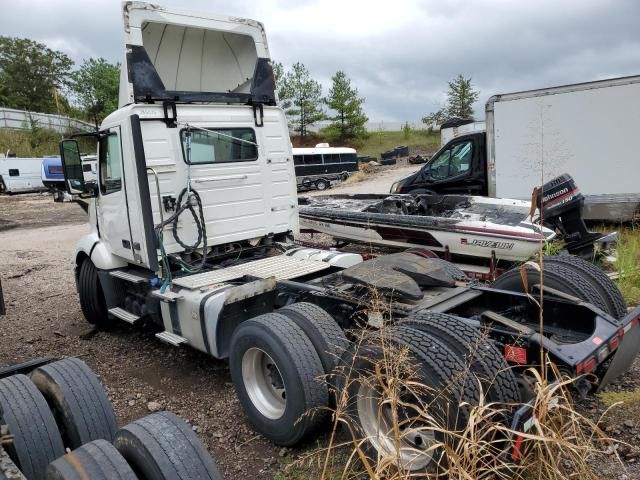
560,204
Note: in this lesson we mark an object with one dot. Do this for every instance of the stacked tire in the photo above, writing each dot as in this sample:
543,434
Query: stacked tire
62,406
573,276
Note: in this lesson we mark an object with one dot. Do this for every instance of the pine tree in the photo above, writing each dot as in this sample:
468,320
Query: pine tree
461,97
343,99
303,104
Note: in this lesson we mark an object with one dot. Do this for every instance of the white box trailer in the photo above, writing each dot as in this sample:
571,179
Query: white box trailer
584,129
21,175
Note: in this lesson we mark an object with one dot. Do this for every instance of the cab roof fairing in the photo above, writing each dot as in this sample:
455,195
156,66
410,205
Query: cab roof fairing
138,16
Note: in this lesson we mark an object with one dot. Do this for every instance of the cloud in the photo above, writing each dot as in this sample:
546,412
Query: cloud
399,55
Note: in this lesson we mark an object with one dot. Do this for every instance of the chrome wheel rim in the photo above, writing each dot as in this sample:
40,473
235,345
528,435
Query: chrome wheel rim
412,449
263,383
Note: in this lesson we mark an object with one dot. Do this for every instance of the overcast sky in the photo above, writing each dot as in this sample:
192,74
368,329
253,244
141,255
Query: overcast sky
399,53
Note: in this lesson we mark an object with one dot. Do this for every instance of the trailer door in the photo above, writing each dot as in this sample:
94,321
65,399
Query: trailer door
113,216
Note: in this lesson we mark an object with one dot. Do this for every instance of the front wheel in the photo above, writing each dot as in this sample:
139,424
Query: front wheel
92,301
277,373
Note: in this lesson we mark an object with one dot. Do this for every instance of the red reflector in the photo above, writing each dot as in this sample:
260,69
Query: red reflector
517,446
587,366
596,340
515,354
615,341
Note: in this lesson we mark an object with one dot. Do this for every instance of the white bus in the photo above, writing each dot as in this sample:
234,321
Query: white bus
319,166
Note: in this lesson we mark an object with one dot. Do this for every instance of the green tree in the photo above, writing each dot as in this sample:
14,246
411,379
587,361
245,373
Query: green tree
31,74
95,86
460,99
281,89
343,99
303,104
435,118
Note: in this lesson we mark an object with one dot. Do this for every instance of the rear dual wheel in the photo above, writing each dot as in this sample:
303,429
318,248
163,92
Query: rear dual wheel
277,374
405,410
279,364
478,353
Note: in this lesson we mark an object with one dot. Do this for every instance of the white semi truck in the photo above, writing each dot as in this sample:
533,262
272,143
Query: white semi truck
192,224
531,137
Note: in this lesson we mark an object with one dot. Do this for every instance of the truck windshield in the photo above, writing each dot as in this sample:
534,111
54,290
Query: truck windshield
221,145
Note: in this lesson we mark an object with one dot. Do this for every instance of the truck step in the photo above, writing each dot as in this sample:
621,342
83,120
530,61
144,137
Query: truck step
128,277
171,338
122,314
167,296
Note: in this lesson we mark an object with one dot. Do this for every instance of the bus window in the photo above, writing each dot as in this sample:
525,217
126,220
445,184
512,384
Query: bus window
331,158
347,157
297,160
312,159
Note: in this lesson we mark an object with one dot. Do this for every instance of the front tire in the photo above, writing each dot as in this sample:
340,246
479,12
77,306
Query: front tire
92,301
277,375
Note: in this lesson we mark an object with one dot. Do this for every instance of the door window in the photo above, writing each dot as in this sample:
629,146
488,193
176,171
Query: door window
222,145
452,162
14,172
110,163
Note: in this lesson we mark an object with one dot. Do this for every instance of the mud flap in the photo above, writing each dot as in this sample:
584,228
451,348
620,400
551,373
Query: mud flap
627,351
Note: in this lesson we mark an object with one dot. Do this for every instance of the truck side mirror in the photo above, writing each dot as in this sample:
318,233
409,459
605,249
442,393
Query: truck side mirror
72,168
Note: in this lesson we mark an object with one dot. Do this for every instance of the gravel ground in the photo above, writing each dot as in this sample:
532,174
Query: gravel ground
44,319
378,182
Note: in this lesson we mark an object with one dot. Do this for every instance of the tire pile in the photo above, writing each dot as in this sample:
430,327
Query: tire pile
62,407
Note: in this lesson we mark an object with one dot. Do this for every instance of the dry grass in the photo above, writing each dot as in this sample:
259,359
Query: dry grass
362,174
561,442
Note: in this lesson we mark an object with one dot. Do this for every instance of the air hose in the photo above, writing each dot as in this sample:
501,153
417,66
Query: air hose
188,196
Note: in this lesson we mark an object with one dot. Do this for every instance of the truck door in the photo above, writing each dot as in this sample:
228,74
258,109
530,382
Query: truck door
113,217
456,169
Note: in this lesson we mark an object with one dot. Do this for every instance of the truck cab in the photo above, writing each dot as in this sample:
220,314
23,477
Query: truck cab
197,114
459,167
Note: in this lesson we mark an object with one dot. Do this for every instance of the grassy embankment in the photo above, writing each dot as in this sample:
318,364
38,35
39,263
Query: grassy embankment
38,142
628,264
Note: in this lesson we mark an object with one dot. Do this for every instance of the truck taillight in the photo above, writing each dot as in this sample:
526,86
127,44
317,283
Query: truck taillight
589,365
515,354
615,341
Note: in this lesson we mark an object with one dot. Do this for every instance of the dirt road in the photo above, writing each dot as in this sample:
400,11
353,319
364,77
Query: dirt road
44,319
377,182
